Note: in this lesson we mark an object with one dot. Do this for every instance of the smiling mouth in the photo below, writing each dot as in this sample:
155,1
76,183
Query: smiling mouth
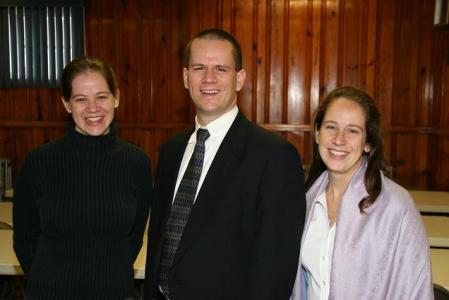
94,119
337,153
210,92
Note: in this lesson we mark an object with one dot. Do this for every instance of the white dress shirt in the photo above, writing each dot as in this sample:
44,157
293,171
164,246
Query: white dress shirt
217,131
317,249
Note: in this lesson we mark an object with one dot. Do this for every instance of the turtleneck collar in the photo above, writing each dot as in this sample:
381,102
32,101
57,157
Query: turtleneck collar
79,142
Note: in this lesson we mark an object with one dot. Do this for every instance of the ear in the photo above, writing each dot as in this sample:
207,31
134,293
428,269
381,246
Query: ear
117,98
241,76
317,135
367,148
66,105
185,77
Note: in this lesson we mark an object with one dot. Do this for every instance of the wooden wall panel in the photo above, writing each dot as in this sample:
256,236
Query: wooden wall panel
19,107
276,58
369,82
406,60
298,65
441,162
5,104
179,109
295,53
157,61
330,47
245,34
260,64
129,62
385,57
352,26
146,63
5,142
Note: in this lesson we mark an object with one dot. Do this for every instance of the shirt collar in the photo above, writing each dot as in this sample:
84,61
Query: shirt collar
322,200
217,127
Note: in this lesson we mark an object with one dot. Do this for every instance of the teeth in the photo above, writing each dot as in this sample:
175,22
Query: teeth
337,153
209,91
94,118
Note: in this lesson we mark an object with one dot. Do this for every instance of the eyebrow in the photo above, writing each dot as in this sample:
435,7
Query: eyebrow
215,66
352,125
98,93
78,95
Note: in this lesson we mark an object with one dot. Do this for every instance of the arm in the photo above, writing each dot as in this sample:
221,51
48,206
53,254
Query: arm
413,273
280,216
25,216
144,196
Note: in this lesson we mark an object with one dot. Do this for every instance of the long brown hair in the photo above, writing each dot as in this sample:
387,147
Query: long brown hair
376,159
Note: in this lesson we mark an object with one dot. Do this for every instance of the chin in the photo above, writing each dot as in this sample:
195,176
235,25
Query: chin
94,131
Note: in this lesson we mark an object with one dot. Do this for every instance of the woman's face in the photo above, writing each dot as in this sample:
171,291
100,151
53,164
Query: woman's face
342,137
91,104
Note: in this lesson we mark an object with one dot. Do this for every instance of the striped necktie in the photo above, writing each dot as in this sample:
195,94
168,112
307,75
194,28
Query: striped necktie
180,210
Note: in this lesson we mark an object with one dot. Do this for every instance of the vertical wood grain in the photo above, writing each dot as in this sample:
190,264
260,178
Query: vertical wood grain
295,53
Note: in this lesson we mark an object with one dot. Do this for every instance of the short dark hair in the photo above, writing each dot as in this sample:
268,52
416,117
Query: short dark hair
82,65
376,158
218,34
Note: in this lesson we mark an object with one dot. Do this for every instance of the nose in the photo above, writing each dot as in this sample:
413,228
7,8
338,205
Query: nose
339,137
209,76
92,105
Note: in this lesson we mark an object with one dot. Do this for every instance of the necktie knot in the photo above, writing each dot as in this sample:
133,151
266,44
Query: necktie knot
202,135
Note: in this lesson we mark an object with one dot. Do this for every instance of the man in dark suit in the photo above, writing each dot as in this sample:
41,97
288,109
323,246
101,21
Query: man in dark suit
233,230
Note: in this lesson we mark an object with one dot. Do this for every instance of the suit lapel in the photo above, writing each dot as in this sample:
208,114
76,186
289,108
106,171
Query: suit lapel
174,160
225,163
170,165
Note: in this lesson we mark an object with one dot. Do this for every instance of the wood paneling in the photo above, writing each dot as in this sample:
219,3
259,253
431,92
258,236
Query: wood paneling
295,53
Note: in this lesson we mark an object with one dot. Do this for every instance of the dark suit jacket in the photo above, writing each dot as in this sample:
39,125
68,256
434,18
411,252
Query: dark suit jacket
243,235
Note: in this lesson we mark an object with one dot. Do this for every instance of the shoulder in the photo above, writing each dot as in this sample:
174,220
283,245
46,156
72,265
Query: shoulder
43,152
397,197
265,140
37,162
133,153
177,141
131,148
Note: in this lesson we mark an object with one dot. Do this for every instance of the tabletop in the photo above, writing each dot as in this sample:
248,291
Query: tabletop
139,264
6,212
440,267
437,228
431,201
9,265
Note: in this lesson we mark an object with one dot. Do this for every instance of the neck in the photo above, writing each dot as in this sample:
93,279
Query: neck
334,193
337,185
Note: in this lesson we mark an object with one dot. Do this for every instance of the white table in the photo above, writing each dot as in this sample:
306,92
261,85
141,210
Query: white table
6,212
9,193
440,267
437,228
9,265
139,264
431,201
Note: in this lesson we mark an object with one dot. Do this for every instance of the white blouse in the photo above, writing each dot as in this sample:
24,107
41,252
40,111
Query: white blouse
317,249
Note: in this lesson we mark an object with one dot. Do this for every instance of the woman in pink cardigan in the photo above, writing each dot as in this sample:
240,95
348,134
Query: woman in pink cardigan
363,237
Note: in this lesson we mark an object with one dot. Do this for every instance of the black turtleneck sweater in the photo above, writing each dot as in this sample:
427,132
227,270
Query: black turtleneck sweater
80,209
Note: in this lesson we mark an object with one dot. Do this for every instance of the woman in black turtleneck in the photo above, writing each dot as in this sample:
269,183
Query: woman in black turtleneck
81,203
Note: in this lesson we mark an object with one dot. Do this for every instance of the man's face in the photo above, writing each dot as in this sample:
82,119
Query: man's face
211,78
